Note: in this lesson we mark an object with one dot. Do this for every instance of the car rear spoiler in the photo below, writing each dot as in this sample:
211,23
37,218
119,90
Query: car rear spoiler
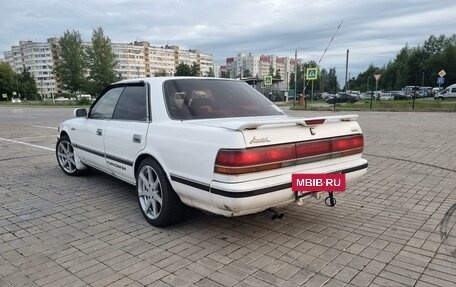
308,122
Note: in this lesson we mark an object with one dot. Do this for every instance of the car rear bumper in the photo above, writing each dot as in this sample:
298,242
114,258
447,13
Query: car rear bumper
235,199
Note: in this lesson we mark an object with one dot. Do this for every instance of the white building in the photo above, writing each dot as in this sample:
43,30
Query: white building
244,62
260,66
134,60
130,60
162,60
216,69
39,59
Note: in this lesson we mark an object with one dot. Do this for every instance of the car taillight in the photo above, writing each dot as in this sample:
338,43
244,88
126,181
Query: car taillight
348,145
256,159
271,157
307,149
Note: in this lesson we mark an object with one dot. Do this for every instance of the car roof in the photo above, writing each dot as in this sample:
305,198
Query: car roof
161,80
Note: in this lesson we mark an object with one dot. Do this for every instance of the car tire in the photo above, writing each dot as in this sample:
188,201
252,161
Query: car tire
159,203
64,152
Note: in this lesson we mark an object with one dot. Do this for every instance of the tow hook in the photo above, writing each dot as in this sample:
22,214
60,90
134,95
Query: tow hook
274,213
330,200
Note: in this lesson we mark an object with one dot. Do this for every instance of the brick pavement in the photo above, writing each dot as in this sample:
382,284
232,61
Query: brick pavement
57,230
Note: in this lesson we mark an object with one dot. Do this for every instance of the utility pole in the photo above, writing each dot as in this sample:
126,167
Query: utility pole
304,82
346,72
295,74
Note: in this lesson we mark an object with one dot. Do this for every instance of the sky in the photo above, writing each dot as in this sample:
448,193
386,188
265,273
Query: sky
372,31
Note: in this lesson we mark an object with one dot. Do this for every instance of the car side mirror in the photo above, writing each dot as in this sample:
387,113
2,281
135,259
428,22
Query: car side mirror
79,113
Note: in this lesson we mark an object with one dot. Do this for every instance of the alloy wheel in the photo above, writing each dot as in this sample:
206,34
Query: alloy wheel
150,192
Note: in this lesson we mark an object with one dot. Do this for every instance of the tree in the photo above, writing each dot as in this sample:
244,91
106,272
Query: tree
27,87
161,73
8,81
271,70
210,73
292,80
183,70
277,74
333,85
195,70
101,62
434,45
225,74
414,66
300,78
246,73
446,60
365,80
22,84
71,67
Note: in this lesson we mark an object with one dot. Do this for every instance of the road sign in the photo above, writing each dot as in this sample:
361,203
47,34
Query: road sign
4,96
311,74
442,73
440,80
377,76
267,80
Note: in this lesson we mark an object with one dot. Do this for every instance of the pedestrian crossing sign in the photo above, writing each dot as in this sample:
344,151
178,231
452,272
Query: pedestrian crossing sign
311,74
267,80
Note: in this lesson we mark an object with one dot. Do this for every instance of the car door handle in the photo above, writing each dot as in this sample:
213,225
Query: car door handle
136,138
99,132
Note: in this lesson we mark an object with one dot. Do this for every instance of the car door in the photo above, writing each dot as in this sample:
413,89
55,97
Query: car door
126,133
89,136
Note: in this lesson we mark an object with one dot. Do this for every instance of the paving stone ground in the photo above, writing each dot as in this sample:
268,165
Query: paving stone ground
386,230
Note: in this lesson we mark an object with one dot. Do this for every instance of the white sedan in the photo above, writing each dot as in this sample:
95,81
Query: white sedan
214,144
386,97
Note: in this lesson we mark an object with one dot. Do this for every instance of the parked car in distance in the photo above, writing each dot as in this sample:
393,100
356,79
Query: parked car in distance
61,100
386,97
447,93
398,95
214,144
342,98
16,100
436,90
84,96
325,95
367,96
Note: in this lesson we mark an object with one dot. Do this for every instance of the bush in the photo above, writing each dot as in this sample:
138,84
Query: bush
84,102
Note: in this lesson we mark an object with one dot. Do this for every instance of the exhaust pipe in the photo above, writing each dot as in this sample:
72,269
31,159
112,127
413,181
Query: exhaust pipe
274,214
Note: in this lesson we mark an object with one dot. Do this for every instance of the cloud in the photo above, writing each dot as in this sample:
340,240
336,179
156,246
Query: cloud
373,31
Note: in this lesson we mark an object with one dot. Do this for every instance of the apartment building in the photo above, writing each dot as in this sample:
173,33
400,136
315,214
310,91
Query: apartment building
163,60
260,66
39,59
217,70
131,60
134,60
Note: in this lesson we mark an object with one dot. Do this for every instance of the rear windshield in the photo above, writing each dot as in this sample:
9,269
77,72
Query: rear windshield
211,98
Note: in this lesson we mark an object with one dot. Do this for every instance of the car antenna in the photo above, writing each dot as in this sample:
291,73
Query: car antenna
326,49
330,41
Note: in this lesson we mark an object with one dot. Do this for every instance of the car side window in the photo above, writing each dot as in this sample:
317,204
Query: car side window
132,104
104,107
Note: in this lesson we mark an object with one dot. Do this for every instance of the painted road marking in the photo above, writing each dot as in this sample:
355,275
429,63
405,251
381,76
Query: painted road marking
44,127
31,138
28,144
